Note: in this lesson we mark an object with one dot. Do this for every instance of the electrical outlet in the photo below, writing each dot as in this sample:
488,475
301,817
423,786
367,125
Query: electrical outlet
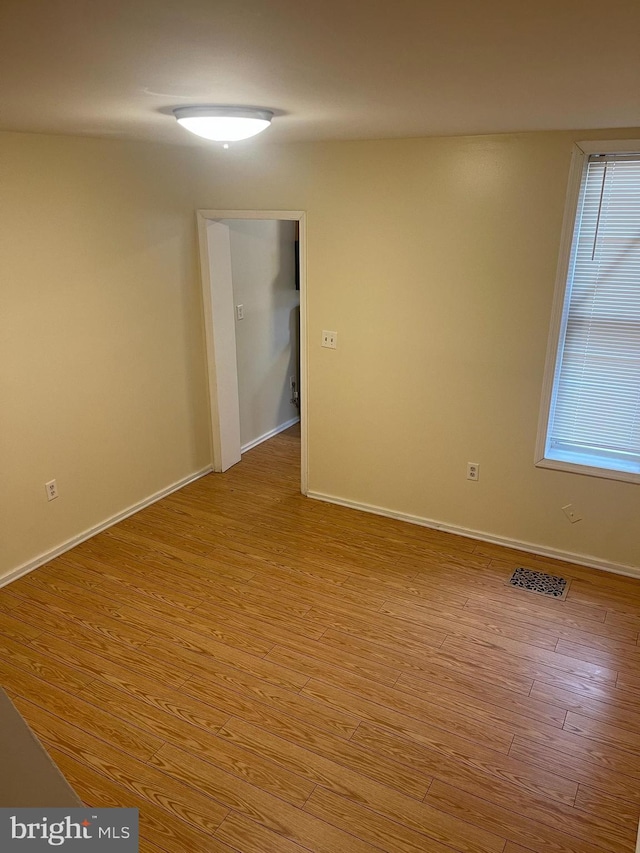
52,490
473,470
330,339
239,312
572,513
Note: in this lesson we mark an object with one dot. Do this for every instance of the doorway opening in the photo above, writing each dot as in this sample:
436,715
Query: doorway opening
254,295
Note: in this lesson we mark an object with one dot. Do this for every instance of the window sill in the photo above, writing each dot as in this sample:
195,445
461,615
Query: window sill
588,470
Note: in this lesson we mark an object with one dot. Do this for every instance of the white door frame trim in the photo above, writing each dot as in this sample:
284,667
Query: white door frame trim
216,395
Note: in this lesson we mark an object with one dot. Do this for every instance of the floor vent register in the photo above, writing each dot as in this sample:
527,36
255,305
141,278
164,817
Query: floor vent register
540,583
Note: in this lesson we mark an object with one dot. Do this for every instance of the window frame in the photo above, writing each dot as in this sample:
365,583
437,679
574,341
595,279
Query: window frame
579,159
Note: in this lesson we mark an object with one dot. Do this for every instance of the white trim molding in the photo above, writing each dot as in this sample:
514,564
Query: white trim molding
528,547
267,435
99,528
213,331
609,146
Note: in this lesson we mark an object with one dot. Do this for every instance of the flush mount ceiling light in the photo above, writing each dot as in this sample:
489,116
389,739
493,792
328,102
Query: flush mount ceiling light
223,124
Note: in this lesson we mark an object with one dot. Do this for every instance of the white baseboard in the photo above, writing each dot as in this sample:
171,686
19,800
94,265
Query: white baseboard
528,547
270,434
104,525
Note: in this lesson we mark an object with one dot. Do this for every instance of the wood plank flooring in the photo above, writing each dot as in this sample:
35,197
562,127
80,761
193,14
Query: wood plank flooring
259,672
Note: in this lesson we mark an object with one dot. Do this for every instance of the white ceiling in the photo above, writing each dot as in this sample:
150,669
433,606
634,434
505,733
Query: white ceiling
331,69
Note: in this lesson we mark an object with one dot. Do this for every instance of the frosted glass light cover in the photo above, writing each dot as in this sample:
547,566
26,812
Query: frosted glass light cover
223,126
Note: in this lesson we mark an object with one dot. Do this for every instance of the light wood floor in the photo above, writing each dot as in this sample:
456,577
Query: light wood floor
258,672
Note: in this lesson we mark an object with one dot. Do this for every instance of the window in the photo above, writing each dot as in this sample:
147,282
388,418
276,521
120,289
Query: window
591,401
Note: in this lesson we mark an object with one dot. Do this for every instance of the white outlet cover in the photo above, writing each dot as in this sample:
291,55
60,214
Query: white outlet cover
572,513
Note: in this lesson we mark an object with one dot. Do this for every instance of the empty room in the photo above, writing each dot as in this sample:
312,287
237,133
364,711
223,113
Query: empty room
320,426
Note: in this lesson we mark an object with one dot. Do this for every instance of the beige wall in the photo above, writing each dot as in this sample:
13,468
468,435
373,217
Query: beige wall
433,259
101,366
263,273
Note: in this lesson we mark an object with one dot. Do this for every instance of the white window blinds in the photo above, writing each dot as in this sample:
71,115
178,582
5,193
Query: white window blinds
594,416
